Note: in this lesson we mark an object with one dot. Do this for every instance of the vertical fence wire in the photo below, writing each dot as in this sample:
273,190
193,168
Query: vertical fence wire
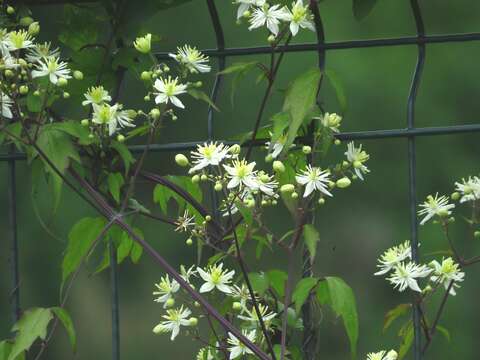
115,307
420,28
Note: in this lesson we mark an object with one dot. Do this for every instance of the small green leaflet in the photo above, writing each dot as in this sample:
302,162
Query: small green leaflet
395,313
406,333
124,153
200,95
311,238
240,69
277,279
115,183
340,297
362,8
300,99
302,290
67,322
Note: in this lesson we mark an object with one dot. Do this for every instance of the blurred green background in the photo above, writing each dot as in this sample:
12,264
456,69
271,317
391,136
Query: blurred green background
355,227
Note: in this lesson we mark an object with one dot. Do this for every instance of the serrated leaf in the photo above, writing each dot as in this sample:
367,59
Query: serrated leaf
299,100
362,8
67,322
31,326
311,238
80,239
302,291
340,297
200,95
394,314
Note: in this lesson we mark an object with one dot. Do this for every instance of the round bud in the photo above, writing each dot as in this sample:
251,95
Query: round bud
10,10
181,160
22,63
250,203
246,14
264,203
198,84
13,86
271,39
278,166
195,179
155,114
264,178
236,306
268,158
337,142
476,234
23,90
91,136
443,213
287,188
66,95
25,21
218,186
193,321
36,93
9,73
451,220
345,164
170,302
120,138
235,149
331,184
146,75
321,201
146,98
208,218
62,82
274,202
78,75
204,177
307,149
455,196
343,182
85,122
174,117
189,242
427,289
196,304
294,195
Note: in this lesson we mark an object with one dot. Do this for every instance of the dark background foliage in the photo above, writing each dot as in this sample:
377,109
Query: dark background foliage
354,227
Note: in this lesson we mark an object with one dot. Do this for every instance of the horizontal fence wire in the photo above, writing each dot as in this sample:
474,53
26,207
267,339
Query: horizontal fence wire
221,52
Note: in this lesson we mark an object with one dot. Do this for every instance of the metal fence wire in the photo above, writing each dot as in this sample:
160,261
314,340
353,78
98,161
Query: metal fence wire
221,52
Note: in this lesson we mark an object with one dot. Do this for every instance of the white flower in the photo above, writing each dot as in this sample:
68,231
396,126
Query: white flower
277,146
53,68
241,173
252,315
96,95
314,179
165,290
168,89
205,354
405,275
215,277
266,184
299,17
331,121
185,222
357,157
111,115
242,294
446,272
143,44
244,5
6,105
193,59
237,348
186,274
8,62
208,154
394,256
173,320
383,355
42,51
470,189
267,15
435,206
17,40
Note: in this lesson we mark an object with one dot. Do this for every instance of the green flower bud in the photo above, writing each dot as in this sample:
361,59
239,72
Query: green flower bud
208,218
294,195
278,166
143,44
476,234
235,149
451,220
146,75
250,203
193,321
343,182
23,90
85,122
274,202
271,39
189,242
120,138
443,213
78,75
198,84
195,179
25,21
146,98
34,28
91,136
204,177
246,14
455,196
10,10
22,63
307,149
66,95
337,142
218,186
331,184
345,164
268,158
236,306
36,93
287,188
321,201
264,178
9,73
264,203
155,113
196,304
170,302
181,160
62,82
357,164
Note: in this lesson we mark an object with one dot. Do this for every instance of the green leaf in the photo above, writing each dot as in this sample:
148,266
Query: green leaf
200,95
81,238
125,247
299,100
361,8
162,194
67,322
444,332
34,103
311,238
75,129
259,282
32,325
302,291
124,153
336,293
277,279
406,333
240,69
80,26
395,313
137,249
338,87
115,183
5,349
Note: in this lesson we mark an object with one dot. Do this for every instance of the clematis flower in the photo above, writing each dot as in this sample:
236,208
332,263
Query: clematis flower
435,206
314,179
53,68
394,256
168,89
238,348
96,95
446,272
208,154
111,115
6,103
469,189
193,59
299,17
216,277
357,157
241,173
406,275
165,290
174,319
269,16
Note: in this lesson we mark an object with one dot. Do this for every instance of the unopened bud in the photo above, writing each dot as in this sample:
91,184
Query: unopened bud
236,306
271,39
287,188
146,75
62,82
146,98
85,122
120,138
294,195
34,28
218,186
25,21
181,160
23,89
170,302
78,75
195,179
343,182
10,10
337,142
235,149
193,321
204,177
268,158
455,196
189,242
476,234
321,201
278,166
307,149
66,95
155,114
208,218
